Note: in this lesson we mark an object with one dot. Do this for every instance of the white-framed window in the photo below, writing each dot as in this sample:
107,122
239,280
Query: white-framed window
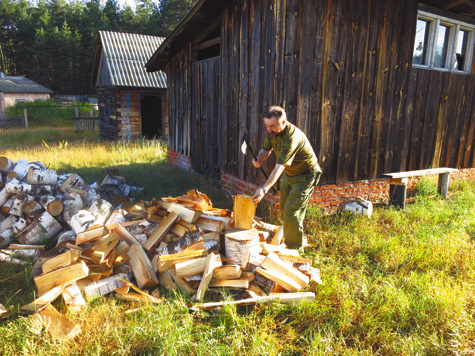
442,43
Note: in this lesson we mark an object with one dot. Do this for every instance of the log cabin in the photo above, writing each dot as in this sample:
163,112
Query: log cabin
132,103
378,86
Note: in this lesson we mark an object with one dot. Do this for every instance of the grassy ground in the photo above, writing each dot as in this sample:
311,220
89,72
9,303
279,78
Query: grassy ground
398,283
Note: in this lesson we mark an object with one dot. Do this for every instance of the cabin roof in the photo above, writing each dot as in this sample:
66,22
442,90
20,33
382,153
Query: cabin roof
20,84
122,56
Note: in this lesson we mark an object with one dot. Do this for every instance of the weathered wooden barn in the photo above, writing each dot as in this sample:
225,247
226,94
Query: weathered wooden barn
132,102
378,85
14,89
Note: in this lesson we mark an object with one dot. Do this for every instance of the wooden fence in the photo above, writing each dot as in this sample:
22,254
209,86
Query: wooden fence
10,122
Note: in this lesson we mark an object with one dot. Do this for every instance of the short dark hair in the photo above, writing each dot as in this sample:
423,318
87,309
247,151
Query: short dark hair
274,112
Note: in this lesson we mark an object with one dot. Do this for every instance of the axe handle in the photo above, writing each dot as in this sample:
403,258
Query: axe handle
262,169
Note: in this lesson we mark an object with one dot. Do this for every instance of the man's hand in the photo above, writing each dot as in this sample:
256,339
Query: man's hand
258,195
255,163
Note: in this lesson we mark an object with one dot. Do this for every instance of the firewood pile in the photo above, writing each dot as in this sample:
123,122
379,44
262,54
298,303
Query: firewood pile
84,246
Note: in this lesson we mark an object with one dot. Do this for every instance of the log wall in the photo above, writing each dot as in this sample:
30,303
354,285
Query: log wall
343,71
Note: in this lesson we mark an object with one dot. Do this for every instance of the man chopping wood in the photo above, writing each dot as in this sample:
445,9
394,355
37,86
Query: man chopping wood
298,166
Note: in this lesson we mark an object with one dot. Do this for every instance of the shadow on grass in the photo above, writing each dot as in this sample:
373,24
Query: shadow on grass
159,179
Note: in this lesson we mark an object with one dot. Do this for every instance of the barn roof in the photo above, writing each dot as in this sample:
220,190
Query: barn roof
120,59
206,11
19,84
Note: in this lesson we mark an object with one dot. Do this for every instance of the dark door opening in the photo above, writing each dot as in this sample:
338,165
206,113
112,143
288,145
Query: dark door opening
151,113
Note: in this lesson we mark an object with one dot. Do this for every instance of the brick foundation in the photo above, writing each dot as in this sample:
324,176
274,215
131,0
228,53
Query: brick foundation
328,196
179,160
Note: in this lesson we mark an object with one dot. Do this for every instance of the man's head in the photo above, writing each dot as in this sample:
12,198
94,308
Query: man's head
275,120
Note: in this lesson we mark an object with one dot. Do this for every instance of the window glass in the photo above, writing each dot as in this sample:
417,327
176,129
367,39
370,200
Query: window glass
441,46
461,50
421,42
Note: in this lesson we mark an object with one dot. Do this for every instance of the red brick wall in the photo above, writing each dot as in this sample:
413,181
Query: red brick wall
179,160
327,196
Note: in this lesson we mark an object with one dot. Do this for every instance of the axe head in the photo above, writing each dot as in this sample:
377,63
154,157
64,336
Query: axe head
244,144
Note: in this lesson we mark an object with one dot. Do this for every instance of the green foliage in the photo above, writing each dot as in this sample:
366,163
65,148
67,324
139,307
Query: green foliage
53,41
48,113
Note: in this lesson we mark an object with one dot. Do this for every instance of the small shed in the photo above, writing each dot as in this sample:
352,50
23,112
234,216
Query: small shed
15,89
131,102
377,85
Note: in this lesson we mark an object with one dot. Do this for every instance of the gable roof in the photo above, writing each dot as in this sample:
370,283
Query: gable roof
19,84
204,13
120,59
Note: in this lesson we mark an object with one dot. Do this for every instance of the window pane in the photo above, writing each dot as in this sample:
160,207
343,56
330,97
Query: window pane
461,50
441,46
421,42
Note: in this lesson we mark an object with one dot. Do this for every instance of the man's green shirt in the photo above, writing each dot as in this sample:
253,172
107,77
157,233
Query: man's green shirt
293,150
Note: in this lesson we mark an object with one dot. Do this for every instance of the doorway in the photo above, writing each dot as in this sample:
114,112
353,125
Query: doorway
151,114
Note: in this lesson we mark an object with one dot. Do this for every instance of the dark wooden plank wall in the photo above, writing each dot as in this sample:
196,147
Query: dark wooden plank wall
343,72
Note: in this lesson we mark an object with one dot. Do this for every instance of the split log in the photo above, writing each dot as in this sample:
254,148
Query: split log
104,286
230,283
187,215
65,259
279,278
103,247
190,267
274,262
41,176
167,262
33,209
3,312
6,164
147,296
64,275
125,235
90,234
19,203
73,298
51,204
239,244
278,236
40,230
212,261
179,245
26,247
244,209
141,267
59,326
162,229
226,272
42,302
212,223
181,283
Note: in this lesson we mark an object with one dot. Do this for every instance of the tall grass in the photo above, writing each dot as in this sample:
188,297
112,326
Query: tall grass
47,113
398,283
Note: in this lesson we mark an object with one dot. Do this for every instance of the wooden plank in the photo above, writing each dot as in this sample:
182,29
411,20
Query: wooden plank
422,172
229,283
274,297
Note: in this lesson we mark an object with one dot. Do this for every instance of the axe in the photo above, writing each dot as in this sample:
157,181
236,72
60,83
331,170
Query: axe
245,146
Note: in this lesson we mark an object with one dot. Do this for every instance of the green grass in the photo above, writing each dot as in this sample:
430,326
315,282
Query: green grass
398,283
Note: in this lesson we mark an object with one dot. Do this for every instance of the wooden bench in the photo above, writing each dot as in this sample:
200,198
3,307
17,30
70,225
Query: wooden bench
399,180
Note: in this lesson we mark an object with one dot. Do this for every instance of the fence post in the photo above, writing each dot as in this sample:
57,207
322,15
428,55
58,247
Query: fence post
76,111
25,116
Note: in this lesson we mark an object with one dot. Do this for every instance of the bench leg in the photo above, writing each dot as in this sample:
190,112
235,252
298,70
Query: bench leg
397,192
443,187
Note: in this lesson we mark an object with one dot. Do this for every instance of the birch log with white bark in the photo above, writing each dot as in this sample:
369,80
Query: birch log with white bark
21,200
72,203
9,233
4,196
41,176
101,210
80,221
33,209
40,230
8,222
6,164
16,187
51,204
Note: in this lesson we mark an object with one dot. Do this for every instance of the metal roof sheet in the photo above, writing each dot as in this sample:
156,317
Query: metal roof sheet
126,54
19,84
